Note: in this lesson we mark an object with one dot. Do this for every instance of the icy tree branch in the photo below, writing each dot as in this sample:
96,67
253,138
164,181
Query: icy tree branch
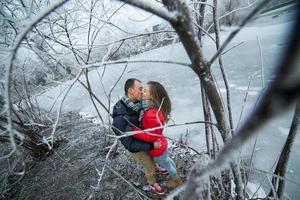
278,98
9,64
153,8
51,138
100,64
233,11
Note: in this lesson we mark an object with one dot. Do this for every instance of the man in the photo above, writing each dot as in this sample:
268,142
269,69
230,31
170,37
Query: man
125,117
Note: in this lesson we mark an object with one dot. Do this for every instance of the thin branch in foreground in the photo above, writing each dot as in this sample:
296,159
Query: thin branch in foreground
130,133
120,176
59,111
155,9
234,46
277,98
91,97
101,64
136,36
204,31
9,65
96,98
261,62
229,13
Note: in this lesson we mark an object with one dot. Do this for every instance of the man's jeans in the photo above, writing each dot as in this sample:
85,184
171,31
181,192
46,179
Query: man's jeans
148,163
166,162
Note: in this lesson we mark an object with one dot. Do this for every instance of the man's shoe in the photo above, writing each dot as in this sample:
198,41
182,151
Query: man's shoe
157,189
160,170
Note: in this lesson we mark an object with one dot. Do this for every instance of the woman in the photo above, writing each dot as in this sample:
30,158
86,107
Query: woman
156,108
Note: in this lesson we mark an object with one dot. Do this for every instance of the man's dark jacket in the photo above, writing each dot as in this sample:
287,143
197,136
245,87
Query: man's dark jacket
124,119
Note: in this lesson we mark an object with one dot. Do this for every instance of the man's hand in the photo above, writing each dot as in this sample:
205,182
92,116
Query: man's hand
157,144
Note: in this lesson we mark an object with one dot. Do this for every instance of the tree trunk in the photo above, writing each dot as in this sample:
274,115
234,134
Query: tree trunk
285,155
200,20
202,68
235,166
207,118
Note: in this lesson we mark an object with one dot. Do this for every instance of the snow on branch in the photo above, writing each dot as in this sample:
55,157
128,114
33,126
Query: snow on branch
204,31
9,64
279,96
130,133
136,36
100,64
233,11
51,138
153,8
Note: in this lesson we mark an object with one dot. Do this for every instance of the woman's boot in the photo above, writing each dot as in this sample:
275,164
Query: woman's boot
172,184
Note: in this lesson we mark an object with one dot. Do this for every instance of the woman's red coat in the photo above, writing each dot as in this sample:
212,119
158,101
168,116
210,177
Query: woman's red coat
152,119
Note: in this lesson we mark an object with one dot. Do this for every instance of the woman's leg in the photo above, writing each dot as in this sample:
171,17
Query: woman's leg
166,162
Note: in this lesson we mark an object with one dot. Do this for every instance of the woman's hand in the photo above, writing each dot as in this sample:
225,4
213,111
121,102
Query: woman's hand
157,144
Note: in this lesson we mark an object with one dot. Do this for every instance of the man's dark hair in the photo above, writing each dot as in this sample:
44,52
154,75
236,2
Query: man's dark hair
129,84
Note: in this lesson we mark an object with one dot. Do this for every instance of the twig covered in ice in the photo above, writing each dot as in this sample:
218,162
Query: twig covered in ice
105,164
120,176
51,138
234,46
176,192
277,98
204,31
96,98
261,58
153,8
130,133
233,11
9,64
100,64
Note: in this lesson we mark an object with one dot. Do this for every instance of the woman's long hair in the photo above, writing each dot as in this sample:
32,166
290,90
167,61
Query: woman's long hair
160,98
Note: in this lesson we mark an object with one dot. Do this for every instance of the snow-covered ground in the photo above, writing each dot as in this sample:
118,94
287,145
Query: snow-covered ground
183,86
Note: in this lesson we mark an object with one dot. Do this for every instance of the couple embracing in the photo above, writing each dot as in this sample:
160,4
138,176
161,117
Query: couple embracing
143,108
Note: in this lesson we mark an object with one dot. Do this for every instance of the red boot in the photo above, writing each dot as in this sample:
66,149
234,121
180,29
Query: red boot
157,189
160,170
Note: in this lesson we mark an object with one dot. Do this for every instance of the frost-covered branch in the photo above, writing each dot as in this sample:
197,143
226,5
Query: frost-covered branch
136,36
9,64
204,31
281,94
261,58
130,133
94,96
100,64
103,168
283,160
153,8
91,96
234,46
233,11
217,34
120,176
51,138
